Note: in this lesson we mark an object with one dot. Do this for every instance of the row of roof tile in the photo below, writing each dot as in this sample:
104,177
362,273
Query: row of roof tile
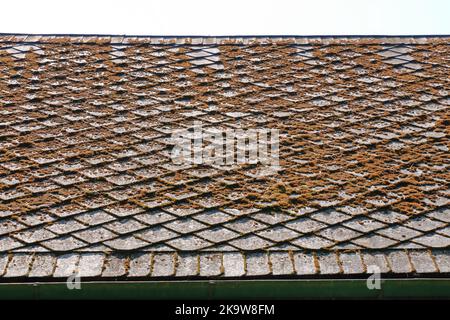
231,264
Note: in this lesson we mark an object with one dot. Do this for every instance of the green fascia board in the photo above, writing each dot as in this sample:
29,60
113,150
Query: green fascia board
232,289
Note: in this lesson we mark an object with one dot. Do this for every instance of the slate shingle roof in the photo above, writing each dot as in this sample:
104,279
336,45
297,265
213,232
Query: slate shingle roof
87,184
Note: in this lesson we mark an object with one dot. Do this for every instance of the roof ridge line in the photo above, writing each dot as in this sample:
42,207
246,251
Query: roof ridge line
212,40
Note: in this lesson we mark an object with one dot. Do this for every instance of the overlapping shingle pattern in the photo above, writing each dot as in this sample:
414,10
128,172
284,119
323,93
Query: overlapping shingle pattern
85,144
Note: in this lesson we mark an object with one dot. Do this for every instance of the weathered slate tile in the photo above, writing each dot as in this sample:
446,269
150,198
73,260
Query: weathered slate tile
66,265
233,264
140,265
422,261
399,261
43,265
91,264
114,266
442,259
211,264
19,265
4,258
351,263
376,259
257,264
304,263
281,263
163,265
328,263
187,265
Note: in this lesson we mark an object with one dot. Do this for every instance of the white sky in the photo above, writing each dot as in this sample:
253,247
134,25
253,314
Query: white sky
230,17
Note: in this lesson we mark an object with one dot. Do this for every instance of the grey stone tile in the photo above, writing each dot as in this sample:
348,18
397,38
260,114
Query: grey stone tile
442,259
282,263
124,226
187,265
444,231
43,265
433,241
163,265
329,216
399,261
66,265
424,224
376,259
140,265
91,264
95,217
278,234
422,261
388,216
156,234
154,217
312,242
234,264
189,243
250,243
211,264
213,217
338,233
63,244
245,225
351,263
34,235
305,225
4,259
374,242
304,263
114,266
95,234
65,226
442,214
328,263
364,224
399,233
218,234
271,217
9,225
187,225
19,265
126,243
257,264
34,219
7,243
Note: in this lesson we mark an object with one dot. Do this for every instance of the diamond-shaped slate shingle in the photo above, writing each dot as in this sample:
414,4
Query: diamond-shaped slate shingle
88,185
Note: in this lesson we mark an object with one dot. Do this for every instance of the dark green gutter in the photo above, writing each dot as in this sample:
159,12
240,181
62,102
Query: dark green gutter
231,289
